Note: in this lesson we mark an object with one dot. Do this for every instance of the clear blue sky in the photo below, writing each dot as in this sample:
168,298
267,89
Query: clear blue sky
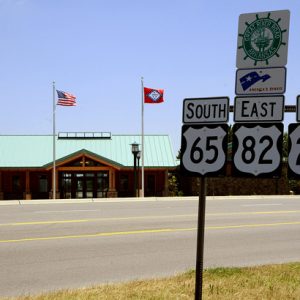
98,50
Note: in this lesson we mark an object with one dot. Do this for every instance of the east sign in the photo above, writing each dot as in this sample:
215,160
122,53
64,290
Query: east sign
259,109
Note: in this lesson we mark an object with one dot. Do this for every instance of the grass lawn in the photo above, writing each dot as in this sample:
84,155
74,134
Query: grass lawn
270,282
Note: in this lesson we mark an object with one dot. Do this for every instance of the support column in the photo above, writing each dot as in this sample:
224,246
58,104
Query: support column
166,185
27,195
1,191
57,186
112,193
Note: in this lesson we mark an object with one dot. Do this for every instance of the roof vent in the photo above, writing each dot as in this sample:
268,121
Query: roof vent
84,135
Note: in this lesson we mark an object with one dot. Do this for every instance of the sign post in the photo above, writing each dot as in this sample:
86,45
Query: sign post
203,152
200,239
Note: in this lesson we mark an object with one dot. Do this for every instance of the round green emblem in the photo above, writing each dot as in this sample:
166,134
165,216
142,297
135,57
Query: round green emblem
262,39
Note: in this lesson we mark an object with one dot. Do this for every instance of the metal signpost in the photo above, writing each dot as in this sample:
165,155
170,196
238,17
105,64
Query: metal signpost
203,152
298,109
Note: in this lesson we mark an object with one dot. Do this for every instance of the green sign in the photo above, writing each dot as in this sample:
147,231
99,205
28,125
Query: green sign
263,39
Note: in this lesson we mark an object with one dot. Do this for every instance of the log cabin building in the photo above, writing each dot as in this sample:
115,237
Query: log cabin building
88,165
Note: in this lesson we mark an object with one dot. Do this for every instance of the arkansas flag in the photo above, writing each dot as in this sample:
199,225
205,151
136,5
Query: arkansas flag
153,95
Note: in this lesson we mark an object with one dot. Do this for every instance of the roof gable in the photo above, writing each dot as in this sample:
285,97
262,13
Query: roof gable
77,156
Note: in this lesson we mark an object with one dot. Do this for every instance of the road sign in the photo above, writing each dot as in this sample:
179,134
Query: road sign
205,110
294,151
259,109
263,39
260,81
257,149
204,149
298,109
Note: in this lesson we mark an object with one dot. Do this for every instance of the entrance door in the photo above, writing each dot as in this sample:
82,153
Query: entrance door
66,186
79,185
84,184
89,185
102,184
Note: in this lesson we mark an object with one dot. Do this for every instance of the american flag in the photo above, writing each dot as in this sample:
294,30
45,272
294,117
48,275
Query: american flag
66,99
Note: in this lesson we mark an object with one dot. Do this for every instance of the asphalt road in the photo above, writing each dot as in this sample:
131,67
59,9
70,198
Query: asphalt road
51,246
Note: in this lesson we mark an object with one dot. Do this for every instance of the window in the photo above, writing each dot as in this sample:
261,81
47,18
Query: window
150,187
16,183
43,184
87,162
102,184
92,163
124,185
76,163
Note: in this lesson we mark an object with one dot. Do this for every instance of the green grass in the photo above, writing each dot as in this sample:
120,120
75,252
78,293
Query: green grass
271,282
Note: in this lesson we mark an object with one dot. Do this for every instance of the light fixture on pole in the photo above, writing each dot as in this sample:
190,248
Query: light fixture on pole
135,150
138,156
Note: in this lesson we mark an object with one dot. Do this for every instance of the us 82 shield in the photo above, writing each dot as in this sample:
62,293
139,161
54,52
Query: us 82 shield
257,150
204,150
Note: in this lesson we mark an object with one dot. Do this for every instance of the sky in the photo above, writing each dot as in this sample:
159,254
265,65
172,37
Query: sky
99,50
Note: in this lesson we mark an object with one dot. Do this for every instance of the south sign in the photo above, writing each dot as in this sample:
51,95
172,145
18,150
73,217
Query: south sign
205,110
259,109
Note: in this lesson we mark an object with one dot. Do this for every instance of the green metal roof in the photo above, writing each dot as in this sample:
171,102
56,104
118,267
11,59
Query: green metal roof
37,150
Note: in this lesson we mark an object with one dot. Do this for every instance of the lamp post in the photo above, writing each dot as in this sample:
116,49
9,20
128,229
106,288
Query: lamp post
138,172
135,150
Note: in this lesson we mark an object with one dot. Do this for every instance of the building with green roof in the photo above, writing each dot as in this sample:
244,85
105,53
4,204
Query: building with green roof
87,165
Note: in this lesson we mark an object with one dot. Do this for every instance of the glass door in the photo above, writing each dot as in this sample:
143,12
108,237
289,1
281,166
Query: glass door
89,185
84,185
79,184
102,184
66,186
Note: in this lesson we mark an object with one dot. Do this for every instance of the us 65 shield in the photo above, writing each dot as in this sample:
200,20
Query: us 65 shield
257,150
204,150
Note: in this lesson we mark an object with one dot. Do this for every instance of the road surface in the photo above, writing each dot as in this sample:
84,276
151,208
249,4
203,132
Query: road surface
48,246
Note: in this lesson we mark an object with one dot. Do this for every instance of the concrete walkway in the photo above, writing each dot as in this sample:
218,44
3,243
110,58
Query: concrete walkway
188,198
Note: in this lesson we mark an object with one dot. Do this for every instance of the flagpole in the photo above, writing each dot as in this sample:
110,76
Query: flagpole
143,179
54,149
